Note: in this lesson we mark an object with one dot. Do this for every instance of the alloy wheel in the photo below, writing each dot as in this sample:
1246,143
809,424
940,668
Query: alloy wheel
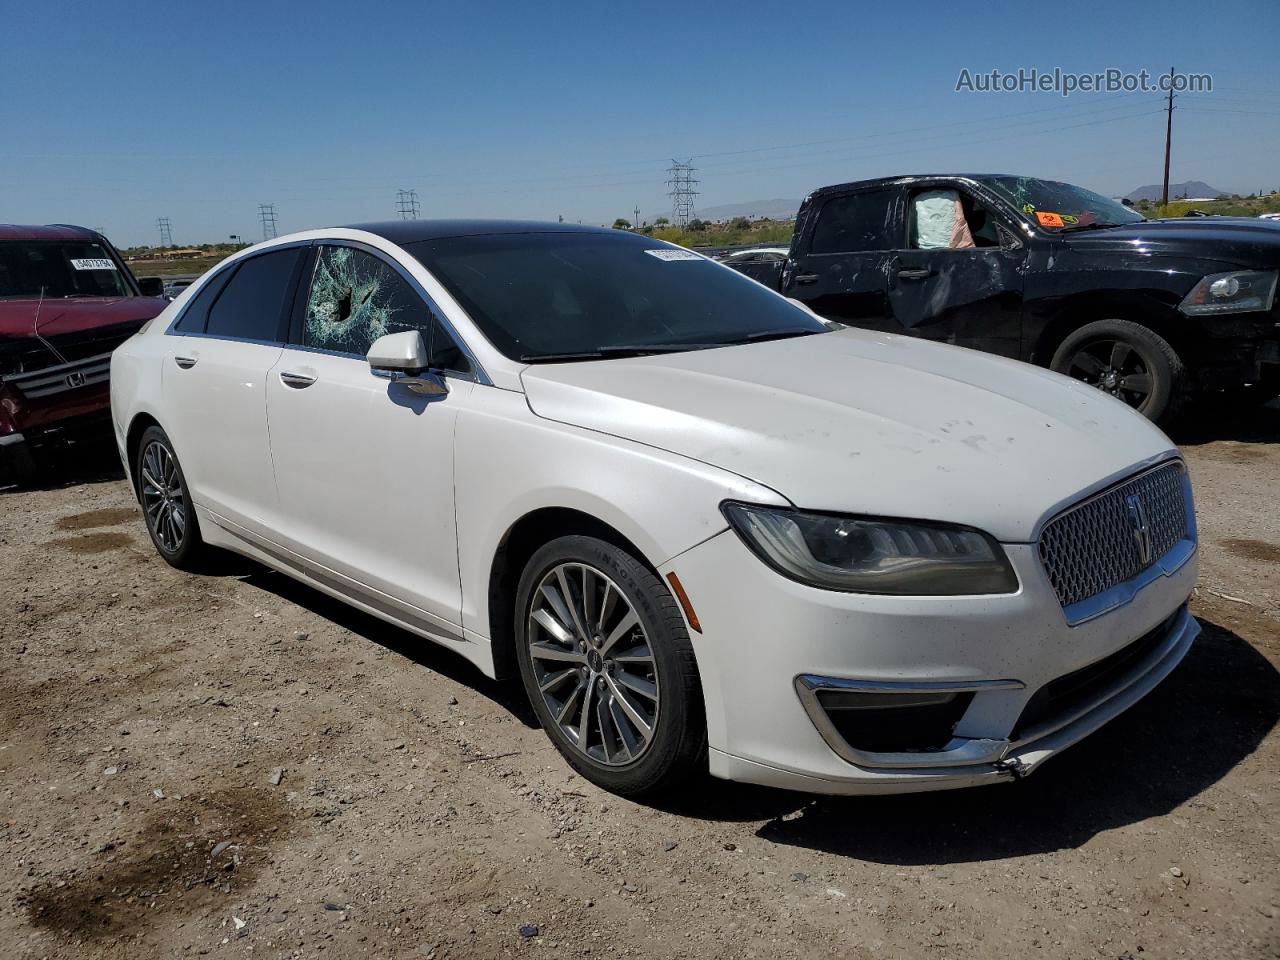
163,496
593,664
1115,367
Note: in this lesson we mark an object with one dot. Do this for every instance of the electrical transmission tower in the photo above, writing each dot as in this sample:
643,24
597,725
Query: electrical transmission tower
166,232
407,204
267,214
682,182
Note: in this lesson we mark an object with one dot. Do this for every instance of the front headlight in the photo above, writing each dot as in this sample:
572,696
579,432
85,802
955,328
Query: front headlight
869,555
1240,291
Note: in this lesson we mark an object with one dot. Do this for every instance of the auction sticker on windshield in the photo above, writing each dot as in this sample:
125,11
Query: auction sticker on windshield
674,255
93,264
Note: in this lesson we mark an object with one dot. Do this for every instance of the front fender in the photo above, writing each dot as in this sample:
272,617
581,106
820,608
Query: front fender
510,463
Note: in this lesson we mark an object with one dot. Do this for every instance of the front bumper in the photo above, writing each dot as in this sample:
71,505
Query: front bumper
770,646
16,462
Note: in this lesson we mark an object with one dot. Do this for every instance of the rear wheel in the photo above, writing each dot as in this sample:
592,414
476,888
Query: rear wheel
166,502
1127,360
608,667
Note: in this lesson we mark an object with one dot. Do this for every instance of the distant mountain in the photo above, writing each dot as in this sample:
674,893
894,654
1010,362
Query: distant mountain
772,209
1190,188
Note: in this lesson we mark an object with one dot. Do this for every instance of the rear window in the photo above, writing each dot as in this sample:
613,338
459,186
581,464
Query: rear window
196,313
59,268
537,295
859,221
251,305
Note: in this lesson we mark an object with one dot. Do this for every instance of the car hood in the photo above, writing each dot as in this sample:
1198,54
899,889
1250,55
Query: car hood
75,314
1246,241
860,422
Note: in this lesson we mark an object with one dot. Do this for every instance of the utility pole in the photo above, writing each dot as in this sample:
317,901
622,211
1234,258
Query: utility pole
1168,143
267,215
635,224
166,232
407,204
682,182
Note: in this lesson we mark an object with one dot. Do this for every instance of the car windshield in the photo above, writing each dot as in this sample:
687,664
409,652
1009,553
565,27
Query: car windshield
568,295
1061,206
58,268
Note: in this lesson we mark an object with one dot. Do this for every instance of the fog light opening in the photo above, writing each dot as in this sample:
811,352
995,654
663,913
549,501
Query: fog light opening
906,722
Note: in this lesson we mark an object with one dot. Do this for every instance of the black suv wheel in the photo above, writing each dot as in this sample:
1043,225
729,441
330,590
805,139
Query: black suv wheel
1127,360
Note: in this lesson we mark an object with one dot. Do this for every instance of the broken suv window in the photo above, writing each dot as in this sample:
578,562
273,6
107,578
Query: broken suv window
1059,206
58,268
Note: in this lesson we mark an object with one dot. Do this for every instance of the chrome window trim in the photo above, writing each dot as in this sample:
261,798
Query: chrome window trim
201,282
348,355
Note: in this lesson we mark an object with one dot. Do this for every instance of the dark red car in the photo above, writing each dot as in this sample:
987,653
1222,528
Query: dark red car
67,300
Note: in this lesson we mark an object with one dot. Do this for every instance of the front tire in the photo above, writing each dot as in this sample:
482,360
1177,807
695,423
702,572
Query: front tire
608,667
1129,361
166,503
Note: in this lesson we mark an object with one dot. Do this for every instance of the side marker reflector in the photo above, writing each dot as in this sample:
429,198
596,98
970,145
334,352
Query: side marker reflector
678,588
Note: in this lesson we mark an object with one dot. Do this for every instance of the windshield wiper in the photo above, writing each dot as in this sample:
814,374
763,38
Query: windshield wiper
782,333
1089,226
609,353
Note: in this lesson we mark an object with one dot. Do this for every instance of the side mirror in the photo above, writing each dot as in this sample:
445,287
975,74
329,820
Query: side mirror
151,286
402,358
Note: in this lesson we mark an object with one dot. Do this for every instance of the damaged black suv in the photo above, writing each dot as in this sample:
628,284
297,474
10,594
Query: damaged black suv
1150,311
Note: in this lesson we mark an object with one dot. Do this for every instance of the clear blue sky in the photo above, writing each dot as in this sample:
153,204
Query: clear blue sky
114,114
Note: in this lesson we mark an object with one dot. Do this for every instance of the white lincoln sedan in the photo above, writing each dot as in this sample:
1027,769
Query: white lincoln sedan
708,530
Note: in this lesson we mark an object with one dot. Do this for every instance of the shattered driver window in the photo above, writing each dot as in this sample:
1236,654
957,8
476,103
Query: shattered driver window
357,298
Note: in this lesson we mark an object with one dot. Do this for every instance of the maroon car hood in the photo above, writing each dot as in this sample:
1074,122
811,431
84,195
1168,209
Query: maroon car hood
74,314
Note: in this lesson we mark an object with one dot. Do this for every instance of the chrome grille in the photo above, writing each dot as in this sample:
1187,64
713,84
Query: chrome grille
1094,546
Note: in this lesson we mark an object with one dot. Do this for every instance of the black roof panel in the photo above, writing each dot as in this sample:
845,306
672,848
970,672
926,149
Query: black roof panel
902,178
411,231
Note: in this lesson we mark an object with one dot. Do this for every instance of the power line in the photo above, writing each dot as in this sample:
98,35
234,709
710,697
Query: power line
267,216
682,193
166,232
407,204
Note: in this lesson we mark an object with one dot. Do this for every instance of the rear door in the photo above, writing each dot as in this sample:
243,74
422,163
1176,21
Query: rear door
364,466
969,295
762,265
840,270
214,384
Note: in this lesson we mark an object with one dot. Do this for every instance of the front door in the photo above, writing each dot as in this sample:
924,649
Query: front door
839,267
958,280
364,466
214,382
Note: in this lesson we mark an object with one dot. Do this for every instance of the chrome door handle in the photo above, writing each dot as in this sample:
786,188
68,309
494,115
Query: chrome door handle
186,363
806,278
917,273
296,380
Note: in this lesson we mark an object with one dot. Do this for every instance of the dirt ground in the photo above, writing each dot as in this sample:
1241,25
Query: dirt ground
147,715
